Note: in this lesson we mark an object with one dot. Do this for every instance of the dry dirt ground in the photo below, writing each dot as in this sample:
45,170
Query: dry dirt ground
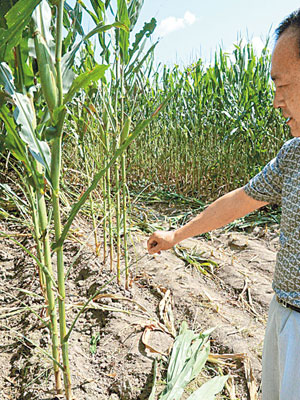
110,348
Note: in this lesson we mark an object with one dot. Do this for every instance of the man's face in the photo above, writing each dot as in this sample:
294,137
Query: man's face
286,76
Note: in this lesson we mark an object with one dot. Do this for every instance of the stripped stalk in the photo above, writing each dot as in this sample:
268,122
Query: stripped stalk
109,205
118,213
55,179
117,166
110,222
124,211
105,199
97,245
104,186
37,236
107,193
55,173
43,220
124,135
48,77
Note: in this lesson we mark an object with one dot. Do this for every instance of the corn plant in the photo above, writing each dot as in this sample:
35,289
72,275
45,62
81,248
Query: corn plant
217,132
113,116
38,84
189,355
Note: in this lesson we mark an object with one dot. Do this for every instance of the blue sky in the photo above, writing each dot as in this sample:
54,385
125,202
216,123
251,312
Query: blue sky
195,28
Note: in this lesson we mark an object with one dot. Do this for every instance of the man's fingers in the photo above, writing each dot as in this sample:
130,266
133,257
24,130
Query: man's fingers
153,251
153,247
151,243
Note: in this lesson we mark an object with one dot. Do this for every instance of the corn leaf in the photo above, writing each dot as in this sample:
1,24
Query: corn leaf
72,21
42,18
134,10
68,75
181,345
16,19
76,15
76,208
70,56
188,357
12,140
97,17
147,30
68,59
11,194
134,69
99,8
123,35
104,28
152,394
84,80
24,115
209,389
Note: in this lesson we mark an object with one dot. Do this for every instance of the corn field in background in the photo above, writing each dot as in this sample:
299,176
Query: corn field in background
73,121
218,130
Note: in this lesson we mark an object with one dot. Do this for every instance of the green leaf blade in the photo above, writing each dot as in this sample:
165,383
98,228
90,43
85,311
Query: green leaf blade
209,389
17,19
84,80
24,116
76,208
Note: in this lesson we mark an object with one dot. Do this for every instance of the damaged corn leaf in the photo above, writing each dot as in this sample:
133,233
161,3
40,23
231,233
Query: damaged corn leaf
165,309
189,354
209,389
204,265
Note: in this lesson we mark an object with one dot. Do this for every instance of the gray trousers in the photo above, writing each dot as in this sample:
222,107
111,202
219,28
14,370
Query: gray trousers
281,354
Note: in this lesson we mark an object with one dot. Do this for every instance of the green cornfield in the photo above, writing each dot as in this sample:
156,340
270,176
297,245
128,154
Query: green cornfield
217,132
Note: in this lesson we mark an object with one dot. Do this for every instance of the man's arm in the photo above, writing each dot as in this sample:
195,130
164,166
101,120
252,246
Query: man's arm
226,209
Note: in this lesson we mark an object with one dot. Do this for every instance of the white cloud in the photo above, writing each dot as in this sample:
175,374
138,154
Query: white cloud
172,24
189,18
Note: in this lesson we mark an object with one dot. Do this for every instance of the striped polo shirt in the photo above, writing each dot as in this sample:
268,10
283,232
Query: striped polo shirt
279,183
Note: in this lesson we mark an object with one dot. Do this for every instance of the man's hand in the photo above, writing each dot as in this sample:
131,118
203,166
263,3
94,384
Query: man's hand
160,240
226,209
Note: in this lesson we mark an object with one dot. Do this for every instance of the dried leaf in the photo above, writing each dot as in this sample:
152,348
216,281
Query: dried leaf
116,297
145,339
229,385
165,310
251,381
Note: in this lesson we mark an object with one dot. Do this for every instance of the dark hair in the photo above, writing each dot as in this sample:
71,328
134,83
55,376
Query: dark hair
290,22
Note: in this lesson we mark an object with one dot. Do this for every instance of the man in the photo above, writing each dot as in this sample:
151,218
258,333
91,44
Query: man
278,182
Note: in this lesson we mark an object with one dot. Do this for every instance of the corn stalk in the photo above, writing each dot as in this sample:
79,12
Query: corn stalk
34,135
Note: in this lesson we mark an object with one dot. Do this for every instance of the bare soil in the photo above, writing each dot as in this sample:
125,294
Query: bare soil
231,293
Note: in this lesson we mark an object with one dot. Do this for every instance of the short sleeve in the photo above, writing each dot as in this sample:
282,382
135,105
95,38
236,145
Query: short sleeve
267,184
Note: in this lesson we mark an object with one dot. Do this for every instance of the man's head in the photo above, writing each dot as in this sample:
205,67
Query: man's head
291,22
286,70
